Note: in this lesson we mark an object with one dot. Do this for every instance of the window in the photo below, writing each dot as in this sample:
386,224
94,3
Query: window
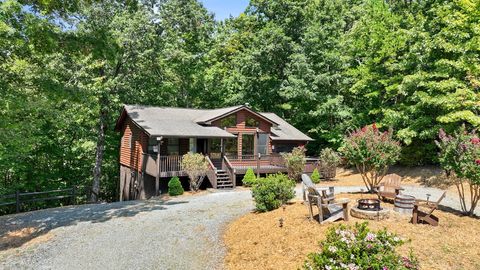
229,121
231,147
173,147
262,143
248,145
251,122
152,145
193,145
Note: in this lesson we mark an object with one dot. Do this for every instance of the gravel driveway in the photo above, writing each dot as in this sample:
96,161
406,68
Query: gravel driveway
182,233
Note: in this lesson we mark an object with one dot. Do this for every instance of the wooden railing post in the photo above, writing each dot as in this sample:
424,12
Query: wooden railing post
258,165
17,201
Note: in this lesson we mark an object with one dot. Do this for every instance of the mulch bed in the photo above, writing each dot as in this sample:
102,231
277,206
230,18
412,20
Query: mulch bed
255,241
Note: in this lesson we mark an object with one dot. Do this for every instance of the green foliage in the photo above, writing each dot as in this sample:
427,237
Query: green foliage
249,178
315,176
357,247
460,158
295,162
324,66
371,152
329,158
272,191
175,186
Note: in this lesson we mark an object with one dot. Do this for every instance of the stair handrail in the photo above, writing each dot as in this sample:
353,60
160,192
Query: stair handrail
210,163
212,173
231,170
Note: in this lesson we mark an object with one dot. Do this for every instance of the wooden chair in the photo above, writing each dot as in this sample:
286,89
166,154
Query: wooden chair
389,187
327,212
328,193
426,216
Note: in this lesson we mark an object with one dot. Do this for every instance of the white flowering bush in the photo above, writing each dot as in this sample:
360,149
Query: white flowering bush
358,248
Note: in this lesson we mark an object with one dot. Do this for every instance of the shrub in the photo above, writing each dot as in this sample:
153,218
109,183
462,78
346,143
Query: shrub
295,162
315,176
329,158
175,187
460,158
271,192
371,152
196,167
357,247
249,178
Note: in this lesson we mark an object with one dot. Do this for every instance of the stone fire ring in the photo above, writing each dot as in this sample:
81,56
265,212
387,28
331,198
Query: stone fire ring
372,215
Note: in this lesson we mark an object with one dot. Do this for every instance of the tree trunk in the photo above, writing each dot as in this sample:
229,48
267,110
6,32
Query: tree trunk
100,150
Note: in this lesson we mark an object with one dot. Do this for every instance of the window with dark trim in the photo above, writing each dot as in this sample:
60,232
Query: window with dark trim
262,143
251,122
229,121
173,146
231,147
248,145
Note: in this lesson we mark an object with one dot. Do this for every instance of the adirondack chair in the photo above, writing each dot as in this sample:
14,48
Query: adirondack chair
327,212
420,216
389,187
328,193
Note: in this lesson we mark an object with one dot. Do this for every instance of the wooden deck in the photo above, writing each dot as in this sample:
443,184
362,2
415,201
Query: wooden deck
262,169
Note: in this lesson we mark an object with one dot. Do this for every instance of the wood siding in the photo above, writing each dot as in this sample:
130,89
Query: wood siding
134,143
241,128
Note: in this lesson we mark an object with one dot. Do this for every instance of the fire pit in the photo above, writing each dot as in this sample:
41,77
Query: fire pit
369,209
369,204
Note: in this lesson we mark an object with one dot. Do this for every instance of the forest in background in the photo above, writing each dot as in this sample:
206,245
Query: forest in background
327,66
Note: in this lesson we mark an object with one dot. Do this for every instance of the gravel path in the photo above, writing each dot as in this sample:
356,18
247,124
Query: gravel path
182,233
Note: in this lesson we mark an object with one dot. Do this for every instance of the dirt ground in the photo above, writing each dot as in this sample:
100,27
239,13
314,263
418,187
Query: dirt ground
255,241
424,176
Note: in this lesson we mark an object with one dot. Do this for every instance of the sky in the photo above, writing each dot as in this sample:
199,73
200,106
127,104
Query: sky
224,8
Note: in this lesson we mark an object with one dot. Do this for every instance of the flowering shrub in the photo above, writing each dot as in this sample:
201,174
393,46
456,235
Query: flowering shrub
272,191
356,248
295,162
315,176
460,158
249,178
371,152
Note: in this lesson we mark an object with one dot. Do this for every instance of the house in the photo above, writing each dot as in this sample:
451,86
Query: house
232,139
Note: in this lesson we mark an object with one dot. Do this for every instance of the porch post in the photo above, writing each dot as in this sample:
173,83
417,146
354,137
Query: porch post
157,177
222,148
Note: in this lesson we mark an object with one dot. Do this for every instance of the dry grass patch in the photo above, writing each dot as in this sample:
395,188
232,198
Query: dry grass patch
255,241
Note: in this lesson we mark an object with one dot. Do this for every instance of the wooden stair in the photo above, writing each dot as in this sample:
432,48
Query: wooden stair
223,180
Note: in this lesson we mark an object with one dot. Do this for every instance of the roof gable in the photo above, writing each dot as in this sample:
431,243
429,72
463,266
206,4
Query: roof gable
214,115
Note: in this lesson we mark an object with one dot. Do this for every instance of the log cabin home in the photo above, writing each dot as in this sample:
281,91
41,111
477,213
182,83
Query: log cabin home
232,139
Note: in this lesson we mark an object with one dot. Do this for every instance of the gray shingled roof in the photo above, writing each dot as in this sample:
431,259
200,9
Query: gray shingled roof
181,122
173,122
284,131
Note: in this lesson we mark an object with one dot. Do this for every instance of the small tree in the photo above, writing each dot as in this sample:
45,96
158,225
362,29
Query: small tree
249,178
460,158
315,176
371,152
295,162
196,167
175,187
